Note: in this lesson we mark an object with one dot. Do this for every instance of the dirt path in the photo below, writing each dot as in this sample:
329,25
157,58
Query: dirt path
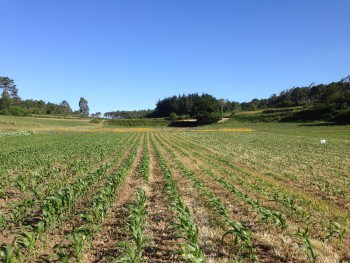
223,120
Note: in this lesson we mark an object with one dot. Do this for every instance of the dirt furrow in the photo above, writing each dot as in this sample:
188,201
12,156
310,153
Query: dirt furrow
161,246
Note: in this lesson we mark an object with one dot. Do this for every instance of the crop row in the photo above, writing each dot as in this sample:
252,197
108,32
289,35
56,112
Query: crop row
54,197
135,224
59,205
324,170
92,218
144,166
242,235
294,205
304,225
183,223
44,162
268,214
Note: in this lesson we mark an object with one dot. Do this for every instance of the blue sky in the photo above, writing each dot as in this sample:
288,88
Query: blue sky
128,54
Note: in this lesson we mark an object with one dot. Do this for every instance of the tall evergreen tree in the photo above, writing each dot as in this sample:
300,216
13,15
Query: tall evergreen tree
83,107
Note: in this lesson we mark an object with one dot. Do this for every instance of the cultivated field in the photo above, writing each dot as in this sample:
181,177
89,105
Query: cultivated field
225,193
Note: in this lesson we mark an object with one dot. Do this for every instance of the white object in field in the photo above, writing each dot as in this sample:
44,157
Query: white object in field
323,141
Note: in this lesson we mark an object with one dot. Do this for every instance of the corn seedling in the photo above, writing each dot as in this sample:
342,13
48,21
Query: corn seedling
7,254
306,243
183,223
236,228
27,240
132,249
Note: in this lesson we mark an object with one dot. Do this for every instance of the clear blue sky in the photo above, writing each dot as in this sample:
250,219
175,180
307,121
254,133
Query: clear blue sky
128,54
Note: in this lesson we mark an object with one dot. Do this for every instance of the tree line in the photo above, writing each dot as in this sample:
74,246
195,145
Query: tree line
335,94
204,108
12,104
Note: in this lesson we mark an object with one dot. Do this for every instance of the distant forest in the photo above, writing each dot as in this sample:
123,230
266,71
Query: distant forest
335,94
205,108
12,104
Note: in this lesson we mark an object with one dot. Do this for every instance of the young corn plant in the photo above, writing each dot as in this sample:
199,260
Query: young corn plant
62,255
188,231
138,212
2,221
236,229
80,240
130,253
306,243
144,166
27,240
242,234
79,243
183,223
7,254
335,229
132,249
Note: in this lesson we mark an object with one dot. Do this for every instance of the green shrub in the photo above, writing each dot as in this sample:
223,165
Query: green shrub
4,112
206,117
173,116
269,111
17,111
96,120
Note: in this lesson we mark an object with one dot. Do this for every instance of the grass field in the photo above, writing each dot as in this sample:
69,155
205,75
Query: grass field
74,191
11,123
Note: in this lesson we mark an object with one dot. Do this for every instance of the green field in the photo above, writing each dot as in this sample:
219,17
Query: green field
11,123
75,191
